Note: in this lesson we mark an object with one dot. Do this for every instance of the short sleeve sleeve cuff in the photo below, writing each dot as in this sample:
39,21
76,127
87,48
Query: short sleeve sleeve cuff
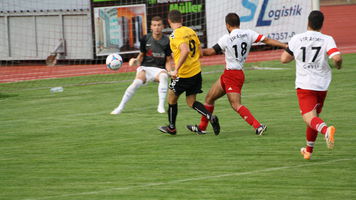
260,38
332,52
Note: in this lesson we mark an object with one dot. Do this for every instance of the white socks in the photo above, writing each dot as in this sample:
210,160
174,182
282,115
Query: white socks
130,91
162,91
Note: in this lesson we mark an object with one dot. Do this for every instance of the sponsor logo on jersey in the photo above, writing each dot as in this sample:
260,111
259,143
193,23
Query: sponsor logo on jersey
149,53
311,39
232,38
159,55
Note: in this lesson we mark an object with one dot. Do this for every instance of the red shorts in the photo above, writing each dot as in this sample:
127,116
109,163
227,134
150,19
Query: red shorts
310,100
232,81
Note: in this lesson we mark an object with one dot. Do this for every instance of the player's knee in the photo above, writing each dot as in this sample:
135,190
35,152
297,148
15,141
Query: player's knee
236,106
209,101
163,77
137,83
190,101
307,117
190,104
307,120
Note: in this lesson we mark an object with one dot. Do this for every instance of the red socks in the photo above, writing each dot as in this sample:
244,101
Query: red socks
318,125
248,117
311,135
204,121
243,111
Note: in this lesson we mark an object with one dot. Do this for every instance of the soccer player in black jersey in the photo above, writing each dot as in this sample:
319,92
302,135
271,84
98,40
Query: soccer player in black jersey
153,61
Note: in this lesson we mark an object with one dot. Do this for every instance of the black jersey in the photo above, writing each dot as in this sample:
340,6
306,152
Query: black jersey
155,51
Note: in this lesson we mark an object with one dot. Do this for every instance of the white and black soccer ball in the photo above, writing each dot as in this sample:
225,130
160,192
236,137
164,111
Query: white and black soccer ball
114,61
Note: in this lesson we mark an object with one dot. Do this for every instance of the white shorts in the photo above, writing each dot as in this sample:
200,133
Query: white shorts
151,72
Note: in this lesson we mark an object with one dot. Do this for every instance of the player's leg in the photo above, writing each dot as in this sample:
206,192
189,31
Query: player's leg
130,91
172,113
311,109
175,90
172,108
216,91
233,81
311,136
235,102
200,108
162,78
311,103
196,105
193,87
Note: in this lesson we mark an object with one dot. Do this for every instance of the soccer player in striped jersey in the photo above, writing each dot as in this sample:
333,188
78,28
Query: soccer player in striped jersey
311,51
236,46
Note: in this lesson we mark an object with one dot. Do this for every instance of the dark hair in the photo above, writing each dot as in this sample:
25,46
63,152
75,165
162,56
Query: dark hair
315,20
232,19
175,16
156,18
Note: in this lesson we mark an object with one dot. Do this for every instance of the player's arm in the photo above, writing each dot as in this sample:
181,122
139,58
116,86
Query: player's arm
287,56
137,61
261,38
274,43
334,53
216,49
337,61
140,58
209,52
201,52
184,52
168,63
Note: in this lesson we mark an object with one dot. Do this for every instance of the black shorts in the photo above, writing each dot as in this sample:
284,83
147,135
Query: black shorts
190,85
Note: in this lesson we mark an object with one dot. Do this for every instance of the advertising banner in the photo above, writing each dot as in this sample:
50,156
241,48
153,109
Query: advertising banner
276,19
119,28
193,12
116,21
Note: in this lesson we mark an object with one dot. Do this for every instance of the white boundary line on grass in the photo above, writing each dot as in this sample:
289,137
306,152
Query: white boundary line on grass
191,179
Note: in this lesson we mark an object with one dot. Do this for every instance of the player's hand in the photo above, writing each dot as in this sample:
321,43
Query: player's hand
133,62
173,74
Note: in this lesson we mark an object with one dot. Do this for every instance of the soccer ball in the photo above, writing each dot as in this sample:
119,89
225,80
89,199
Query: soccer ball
114,61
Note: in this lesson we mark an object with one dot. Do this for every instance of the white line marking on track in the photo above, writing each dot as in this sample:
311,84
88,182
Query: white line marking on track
192,179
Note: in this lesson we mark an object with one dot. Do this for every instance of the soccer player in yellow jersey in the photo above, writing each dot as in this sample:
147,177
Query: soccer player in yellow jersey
186,77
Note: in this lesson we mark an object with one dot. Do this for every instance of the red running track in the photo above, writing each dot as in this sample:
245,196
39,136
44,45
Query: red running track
340,22
24,73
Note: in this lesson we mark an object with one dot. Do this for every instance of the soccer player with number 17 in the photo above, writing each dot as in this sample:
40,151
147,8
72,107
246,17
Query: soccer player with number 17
311,50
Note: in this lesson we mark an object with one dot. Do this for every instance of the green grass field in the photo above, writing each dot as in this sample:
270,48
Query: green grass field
66,146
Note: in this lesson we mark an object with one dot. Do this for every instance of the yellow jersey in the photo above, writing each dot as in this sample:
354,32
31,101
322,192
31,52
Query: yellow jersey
191,66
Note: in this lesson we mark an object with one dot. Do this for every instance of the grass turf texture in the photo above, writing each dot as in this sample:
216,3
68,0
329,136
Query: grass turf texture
66,145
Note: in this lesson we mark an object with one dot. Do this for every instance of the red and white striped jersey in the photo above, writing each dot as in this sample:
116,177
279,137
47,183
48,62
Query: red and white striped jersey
236,47
311,50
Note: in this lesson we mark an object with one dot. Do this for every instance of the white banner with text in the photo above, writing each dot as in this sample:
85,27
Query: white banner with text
276,19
